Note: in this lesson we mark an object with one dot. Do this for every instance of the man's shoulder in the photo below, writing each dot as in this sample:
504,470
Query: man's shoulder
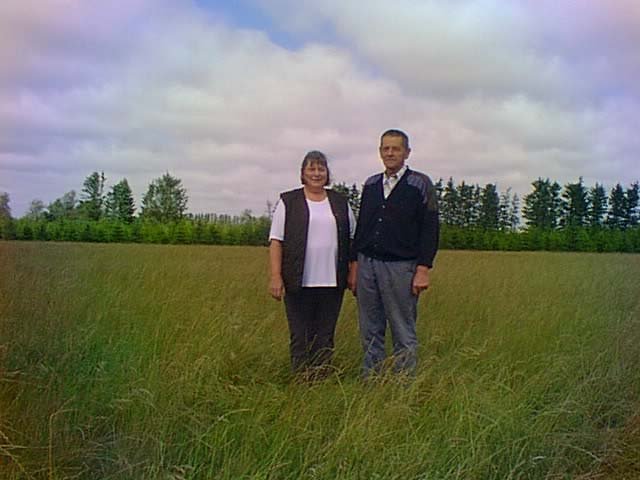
373,179
422,182
419,180
415,177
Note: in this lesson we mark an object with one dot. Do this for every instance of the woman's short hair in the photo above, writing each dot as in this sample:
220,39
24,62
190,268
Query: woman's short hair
313,157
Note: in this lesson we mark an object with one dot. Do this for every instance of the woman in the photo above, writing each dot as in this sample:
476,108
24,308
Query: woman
310,235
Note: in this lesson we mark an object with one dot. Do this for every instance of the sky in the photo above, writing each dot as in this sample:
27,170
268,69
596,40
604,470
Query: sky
228,96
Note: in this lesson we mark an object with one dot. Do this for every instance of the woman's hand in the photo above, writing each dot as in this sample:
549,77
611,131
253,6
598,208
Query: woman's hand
352,277
276,287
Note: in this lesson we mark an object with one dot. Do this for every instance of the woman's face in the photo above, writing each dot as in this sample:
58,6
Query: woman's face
315,175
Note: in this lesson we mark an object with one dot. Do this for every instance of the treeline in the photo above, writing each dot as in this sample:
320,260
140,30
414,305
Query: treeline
569,218
547,207
98,215
573,217
239,231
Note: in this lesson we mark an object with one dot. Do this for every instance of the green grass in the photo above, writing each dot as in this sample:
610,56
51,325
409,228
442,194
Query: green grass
171,362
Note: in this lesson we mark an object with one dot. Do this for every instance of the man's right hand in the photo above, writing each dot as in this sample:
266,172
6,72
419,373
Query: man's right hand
276,287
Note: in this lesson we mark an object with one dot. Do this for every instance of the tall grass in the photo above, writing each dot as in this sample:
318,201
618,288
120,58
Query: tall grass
143,361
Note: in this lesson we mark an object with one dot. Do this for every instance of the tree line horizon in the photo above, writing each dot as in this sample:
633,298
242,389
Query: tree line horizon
573,217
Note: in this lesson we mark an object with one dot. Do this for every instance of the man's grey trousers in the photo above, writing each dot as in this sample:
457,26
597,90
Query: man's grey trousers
384,293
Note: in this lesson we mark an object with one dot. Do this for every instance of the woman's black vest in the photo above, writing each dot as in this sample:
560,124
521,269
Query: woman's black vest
296,227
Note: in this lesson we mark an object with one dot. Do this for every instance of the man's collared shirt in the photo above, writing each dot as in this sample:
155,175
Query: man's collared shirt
390,181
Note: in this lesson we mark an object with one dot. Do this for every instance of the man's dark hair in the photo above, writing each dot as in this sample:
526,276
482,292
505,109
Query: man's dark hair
315,156
396,133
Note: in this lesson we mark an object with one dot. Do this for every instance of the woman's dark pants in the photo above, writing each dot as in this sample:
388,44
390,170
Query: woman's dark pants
312,314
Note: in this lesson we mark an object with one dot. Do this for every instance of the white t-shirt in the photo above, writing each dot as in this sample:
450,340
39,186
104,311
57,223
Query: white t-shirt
322,241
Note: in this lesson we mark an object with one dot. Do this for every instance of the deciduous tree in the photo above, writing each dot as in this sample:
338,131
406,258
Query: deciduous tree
63,207
5,209
36,210
165,200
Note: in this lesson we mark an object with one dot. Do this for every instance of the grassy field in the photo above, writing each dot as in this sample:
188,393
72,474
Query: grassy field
171,362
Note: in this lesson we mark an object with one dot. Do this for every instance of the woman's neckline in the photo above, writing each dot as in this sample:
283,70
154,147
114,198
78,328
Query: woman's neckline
315,196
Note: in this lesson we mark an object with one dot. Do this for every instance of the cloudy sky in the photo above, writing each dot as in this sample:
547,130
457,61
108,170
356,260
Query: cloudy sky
229,95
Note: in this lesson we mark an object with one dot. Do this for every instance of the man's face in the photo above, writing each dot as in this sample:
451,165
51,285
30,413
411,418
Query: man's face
393,153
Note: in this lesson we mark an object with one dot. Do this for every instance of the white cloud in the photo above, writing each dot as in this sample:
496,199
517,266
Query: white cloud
487,92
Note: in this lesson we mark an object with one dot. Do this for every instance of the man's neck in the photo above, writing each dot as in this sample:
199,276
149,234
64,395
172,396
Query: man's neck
397,172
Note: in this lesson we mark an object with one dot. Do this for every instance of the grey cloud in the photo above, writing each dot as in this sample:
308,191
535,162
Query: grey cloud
232,113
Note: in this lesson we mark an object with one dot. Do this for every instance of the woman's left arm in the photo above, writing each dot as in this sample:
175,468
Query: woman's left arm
276,285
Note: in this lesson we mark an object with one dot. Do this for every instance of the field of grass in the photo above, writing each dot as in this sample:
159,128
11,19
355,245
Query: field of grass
171,362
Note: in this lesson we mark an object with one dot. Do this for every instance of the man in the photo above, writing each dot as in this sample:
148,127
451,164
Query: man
395,243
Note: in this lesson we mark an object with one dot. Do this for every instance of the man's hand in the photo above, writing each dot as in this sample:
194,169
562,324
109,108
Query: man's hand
276,287
420,280
352,278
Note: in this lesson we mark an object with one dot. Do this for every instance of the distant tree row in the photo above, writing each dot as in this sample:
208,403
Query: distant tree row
548,206
471,206
574,217
563,240
164,201
100,216
551,207
250,230
239,231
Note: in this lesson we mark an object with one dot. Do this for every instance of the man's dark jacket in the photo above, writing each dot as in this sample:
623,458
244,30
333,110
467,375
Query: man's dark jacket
404,226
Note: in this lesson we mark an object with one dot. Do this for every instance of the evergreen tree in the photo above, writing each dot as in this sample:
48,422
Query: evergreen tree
514,212
354,199
575,205
617,208
165,200
450,204
509,211
489,215
631,206
92,198
597,200
351,193
119,203
117,232
439,189
542,207
469,196
477,191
